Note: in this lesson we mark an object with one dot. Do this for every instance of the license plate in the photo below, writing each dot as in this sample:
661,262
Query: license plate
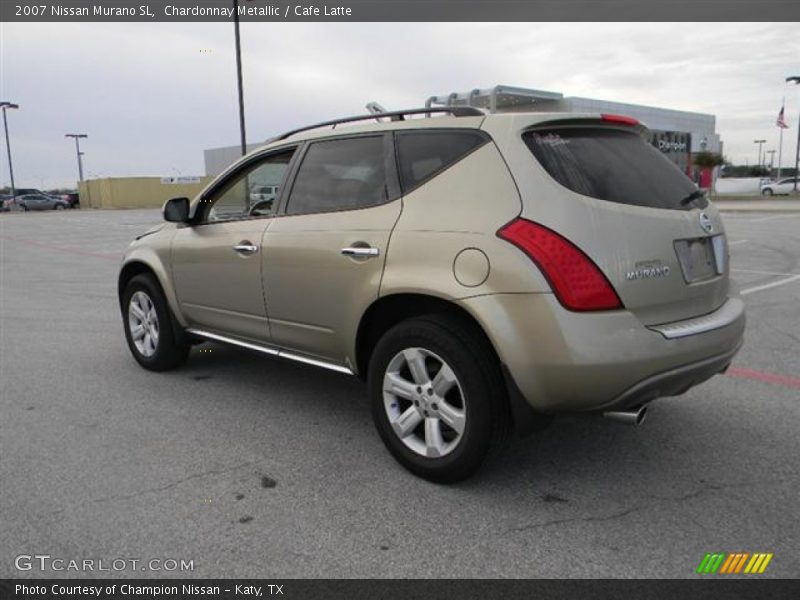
701,258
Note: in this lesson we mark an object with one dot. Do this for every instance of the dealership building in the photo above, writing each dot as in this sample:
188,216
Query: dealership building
676,133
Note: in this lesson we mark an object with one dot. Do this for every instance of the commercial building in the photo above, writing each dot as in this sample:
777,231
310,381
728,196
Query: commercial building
676,133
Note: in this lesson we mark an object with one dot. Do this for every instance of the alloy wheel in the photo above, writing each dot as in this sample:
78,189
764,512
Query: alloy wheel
424,402
143,323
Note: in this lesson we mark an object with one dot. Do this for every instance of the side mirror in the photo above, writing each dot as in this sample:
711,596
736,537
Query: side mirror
176,210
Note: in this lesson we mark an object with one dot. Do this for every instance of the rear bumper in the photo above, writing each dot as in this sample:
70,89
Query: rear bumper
563,361
671,383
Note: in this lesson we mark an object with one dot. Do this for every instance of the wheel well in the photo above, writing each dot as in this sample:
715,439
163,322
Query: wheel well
388,311
129,271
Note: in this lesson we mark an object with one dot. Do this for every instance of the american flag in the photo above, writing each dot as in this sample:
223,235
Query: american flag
781,122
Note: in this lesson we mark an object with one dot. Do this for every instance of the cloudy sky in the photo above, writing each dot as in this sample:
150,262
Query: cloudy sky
152,97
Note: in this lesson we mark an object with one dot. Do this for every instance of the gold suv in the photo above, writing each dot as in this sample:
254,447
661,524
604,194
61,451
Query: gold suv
480,272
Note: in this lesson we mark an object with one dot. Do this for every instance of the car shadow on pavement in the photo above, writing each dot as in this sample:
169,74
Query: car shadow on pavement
670,452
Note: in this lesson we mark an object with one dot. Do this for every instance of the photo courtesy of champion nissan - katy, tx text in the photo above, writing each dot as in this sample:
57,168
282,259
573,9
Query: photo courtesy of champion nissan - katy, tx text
481,272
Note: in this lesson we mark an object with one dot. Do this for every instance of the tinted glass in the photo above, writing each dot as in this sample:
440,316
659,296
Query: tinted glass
340,175
611,165
252,193
423,154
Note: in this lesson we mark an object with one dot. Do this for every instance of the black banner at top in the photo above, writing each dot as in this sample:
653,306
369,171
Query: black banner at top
398,10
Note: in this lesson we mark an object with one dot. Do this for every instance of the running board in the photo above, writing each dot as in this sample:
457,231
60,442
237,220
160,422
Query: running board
271,351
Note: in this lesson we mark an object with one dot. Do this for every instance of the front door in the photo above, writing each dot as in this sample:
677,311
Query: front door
324,255
216,261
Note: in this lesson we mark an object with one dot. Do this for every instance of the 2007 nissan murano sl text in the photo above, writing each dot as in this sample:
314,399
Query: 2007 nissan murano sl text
481,272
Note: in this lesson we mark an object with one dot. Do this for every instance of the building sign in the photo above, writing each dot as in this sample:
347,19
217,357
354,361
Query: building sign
676,146
181,179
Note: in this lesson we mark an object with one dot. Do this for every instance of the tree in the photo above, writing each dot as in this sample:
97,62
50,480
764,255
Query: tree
708,160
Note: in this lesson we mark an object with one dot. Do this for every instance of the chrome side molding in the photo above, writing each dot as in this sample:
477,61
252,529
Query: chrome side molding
271,351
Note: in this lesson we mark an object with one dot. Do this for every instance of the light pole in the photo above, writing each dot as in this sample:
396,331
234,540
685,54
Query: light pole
239,75
771,160
796,79
77,137
4,106
760,143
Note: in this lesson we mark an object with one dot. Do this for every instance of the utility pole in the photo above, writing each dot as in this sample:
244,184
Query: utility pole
4,106
796,79
77,137
239,75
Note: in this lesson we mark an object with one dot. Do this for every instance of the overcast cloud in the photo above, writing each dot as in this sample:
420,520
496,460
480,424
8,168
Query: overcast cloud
152,97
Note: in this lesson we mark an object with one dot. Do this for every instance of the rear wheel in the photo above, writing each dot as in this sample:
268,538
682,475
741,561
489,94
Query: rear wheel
23,207
148,324
438,397
766,192
59,207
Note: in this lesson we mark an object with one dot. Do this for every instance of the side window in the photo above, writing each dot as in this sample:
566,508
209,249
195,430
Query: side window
251,193
340,175
422,154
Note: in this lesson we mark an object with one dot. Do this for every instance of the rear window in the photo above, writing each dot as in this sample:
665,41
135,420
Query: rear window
423,154
612,165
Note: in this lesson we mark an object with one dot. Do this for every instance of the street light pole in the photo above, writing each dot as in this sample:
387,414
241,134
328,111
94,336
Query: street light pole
239,75
760,143
77,137
6,105
796,79
771,160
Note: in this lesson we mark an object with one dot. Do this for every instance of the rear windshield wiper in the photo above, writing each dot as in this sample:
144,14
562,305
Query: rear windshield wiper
693,196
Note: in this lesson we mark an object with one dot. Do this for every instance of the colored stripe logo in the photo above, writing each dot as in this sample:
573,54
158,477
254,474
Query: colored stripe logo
722,563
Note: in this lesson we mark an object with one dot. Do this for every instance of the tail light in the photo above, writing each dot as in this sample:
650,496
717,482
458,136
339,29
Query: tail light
621,119
576,281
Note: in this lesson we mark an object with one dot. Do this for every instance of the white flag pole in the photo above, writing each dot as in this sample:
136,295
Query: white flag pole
780,143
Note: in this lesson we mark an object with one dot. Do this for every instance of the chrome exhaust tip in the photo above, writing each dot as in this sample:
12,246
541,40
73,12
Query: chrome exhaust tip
634,416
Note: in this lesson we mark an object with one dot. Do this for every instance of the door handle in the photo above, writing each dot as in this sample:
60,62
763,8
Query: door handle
245,247
360,252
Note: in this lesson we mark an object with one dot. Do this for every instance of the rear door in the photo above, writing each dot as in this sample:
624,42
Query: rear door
634,213
35,202
324,255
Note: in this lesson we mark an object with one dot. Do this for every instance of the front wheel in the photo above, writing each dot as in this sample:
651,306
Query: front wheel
438,397
148,324
59,207
766,192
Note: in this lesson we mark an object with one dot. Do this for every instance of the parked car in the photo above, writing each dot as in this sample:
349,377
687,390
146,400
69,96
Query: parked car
481,272
4,199
40,202
72,199
778,188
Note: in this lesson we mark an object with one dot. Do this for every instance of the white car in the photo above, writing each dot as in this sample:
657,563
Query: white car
782,187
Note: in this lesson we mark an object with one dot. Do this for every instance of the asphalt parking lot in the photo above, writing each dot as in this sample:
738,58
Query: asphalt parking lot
258,467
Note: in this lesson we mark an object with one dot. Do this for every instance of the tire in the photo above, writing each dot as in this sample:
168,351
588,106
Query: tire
155,346
441,437
766,192
59,207
23,207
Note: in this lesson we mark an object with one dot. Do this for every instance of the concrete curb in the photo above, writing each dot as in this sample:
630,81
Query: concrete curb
787,206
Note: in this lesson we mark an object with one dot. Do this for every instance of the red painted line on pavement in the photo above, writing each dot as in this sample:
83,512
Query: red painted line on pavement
63,248
792,382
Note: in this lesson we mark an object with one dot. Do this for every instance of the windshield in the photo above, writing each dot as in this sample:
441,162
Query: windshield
614,165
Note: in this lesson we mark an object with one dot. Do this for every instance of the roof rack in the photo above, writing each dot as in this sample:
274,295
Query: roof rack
397,115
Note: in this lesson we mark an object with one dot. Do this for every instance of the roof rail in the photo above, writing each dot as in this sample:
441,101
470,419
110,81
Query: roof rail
397,115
